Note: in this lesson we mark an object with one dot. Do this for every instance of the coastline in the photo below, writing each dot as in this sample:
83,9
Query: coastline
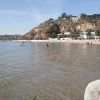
64,41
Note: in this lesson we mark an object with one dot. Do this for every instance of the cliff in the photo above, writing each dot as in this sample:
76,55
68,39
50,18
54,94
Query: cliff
63,24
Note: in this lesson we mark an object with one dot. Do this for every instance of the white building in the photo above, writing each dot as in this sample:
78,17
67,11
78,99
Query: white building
67,33
83,35
64,36
93,33
75,19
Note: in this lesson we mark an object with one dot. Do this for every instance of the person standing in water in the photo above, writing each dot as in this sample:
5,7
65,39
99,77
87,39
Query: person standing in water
47,44
91,43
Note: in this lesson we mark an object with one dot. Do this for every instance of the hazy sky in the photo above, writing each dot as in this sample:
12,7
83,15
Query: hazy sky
19,16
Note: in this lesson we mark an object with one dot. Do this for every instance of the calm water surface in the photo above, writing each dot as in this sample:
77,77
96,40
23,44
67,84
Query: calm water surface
59,72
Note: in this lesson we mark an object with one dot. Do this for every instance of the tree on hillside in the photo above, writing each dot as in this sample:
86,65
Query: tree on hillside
50,19
90,17
75,34
89,32
83,16
98,33
64,15
86,17
53,31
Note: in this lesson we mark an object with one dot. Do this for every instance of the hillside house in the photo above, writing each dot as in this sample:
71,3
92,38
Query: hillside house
65,35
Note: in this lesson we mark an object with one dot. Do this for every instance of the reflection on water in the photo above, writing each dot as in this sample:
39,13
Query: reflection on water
58,72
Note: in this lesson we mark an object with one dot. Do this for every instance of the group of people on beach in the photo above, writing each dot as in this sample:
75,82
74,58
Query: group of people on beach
89,43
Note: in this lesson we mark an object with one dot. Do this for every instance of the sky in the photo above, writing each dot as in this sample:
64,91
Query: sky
20,16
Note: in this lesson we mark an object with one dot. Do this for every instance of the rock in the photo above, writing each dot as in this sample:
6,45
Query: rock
92,91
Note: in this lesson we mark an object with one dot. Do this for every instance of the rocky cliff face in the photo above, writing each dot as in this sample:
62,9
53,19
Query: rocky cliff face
65,25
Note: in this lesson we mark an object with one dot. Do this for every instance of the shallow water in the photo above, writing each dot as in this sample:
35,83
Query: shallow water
58,72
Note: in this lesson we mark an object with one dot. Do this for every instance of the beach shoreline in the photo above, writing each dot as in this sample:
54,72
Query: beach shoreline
63,41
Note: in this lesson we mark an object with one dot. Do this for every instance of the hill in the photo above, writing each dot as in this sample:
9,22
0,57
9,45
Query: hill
64,23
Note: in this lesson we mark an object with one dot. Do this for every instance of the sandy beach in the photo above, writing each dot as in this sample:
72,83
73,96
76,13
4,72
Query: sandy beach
66,41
